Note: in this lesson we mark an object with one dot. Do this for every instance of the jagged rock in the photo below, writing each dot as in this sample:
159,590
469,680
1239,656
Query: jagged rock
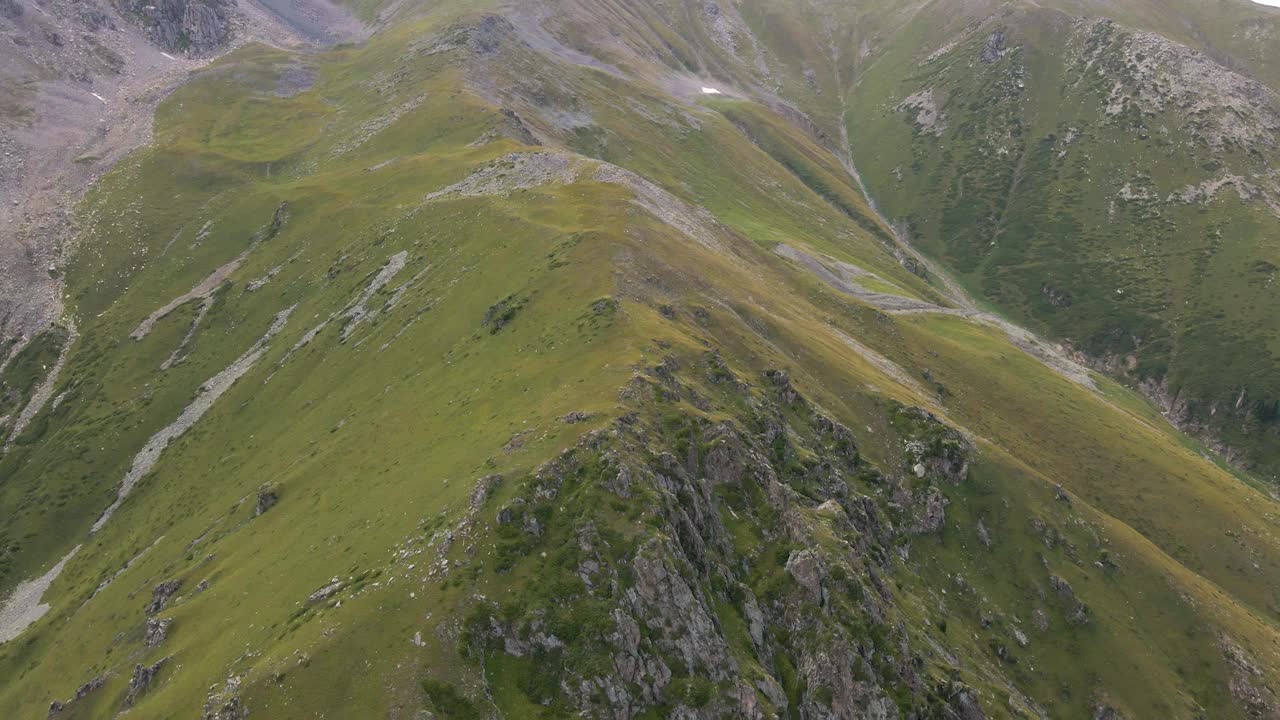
781,379
807,569
994,49
576,417
10,9
773,691
156,631
620,484
483,490
931,514
55,707
636,667
141,681
94,684
1021,637
267,499
689,631
725,462
161,594
834,691
196,26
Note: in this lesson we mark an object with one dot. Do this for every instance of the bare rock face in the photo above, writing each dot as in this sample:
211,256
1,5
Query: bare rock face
660,604
267,499
995,47
192,26
806,568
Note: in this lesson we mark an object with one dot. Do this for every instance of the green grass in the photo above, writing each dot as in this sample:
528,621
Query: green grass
1022,215
374,444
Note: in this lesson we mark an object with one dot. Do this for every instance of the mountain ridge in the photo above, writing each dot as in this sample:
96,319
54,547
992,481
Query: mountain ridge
483,376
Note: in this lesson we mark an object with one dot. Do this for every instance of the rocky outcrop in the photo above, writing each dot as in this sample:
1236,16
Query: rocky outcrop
161,594
192,26
140,683
267,499
57,707
155,631
661,606
994,48
1076,611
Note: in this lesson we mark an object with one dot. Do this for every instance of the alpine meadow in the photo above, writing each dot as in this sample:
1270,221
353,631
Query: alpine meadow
640,359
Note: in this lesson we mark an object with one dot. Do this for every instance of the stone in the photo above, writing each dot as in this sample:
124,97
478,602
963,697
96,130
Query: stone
196,26
161,594
143,676
1021,637
89,687
267,499
805,566
325,592
994,49
156,631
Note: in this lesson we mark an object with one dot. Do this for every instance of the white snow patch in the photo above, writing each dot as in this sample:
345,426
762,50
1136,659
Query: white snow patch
104,100
713,91
168,56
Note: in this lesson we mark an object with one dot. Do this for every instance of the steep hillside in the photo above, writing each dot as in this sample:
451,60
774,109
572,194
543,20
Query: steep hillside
1110,185
496,367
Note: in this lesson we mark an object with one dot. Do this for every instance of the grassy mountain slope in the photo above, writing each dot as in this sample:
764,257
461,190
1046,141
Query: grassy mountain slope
505,374
1103,183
